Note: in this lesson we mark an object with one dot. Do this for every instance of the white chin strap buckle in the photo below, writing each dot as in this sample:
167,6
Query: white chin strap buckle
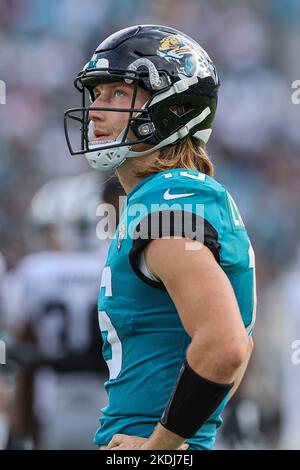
102,157
108,158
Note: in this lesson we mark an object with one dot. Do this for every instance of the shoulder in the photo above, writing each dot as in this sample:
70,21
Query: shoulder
192,199
180,186
177,203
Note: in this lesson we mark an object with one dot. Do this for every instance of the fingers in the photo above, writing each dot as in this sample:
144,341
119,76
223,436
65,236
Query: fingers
116,441
121,441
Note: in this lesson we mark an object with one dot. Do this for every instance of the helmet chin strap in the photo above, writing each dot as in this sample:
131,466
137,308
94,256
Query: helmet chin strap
102,156
107,158
180,134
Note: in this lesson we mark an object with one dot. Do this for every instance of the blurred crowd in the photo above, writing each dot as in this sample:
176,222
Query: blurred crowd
255,149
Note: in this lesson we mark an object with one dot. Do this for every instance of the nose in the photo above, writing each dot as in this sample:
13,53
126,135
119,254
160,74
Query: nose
94,114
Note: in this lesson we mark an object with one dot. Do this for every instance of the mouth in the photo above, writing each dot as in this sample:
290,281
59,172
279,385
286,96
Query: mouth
98,135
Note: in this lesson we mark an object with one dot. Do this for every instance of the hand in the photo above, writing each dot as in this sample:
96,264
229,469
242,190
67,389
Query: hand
125,442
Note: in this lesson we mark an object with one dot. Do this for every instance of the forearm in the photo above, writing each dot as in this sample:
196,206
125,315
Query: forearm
193,400
216,365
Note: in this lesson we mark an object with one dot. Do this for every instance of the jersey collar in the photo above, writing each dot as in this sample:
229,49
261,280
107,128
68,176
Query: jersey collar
140,184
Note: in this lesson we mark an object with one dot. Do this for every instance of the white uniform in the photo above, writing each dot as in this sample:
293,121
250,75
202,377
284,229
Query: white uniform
56,293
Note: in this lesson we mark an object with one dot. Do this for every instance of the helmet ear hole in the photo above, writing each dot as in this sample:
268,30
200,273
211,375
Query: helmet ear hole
181,109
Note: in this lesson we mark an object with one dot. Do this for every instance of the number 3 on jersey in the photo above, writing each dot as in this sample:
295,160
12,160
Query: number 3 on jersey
109,333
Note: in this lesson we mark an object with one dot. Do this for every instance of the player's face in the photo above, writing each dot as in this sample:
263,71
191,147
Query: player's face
107,125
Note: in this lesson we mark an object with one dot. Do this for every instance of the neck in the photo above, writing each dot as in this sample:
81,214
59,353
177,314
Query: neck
126,173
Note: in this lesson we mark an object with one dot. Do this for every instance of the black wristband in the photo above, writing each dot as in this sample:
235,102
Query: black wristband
193,401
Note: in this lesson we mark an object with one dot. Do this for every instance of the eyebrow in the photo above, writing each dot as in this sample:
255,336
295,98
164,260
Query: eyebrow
113,85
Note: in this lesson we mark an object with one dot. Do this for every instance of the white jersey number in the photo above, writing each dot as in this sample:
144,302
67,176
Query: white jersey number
115,363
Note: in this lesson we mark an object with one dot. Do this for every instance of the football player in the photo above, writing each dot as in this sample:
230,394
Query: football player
177,298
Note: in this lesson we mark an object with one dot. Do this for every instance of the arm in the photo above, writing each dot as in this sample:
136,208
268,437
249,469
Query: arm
242,369
209,312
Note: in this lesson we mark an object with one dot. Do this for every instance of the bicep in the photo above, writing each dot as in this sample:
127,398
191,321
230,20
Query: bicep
198,286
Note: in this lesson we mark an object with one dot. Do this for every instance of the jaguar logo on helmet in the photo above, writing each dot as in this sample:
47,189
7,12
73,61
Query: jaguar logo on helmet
173,45
173,48
191,58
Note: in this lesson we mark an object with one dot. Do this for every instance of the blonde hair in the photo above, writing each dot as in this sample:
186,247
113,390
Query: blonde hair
187,153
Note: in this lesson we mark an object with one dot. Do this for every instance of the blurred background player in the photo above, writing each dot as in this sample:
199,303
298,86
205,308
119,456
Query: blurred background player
60,393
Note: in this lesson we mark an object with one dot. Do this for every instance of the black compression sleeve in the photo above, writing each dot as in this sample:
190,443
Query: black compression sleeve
192,402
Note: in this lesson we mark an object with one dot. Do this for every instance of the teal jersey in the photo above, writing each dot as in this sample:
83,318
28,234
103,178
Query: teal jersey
144,342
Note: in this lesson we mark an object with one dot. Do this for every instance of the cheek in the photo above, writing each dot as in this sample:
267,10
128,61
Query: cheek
119,120
142,97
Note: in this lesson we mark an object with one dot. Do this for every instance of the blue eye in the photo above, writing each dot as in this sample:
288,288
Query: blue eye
120,93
